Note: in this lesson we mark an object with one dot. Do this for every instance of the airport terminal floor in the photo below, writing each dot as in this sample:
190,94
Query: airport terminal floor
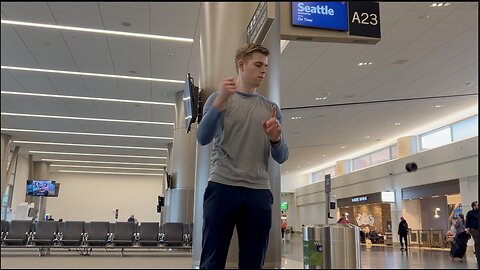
374,257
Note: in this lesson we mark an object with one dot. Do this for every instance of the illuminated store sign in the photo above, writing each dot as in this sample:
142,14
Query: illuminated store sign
360,199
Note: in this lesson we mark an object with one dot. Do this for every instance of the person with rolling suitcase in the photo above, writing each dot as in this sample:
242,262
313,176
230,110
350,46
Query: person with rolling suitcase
459,245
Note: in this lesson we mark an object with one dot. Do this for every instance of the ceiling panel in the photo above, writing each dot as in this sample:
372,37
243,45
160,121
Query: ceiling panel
424,51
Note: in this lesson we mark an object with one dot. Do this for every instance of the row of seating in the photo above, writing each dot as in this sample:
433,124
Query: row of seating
95,233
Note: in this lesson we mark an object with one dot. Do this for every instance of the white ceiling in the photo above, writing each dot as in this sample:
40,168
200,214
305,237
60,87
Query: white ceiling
437,49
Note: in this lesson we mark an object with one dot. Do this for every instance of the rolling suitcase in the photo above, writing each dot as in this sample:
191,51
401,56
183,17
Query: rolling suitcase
458,250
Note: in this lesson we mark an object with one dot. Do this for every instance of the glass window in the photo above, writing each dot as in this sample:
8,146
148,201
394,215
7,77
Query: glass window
331,170
320,175
317,176
361,162
465,129
436,138
380,156
394,151
5,200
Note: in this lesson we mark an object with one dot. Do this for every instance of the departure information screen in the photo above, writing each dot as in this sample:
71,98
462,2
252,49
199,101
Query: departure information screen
325,15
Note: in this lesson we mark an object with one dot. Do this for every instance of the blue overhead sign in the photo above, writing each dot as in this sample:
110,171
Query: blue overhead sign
325,15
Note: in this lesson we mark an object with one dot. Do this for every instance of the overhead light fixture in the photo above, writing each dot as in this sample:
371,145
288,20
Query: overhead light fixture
91,74
87,98
440,4
95,155
364,63
102,167
93,145
397,124
86,133
87,118
367,137
437,106
93,30
343,147
103,162
296,117
96,172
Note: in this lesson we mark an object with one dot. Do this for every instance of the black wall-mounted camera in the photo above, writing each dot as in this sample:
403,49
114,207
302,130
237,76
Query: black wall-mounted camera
411,167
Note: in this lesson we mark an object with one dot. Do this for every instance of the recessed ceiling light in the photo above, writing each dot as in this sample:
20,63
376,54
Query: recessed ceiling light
364,63
87,98
103,167
324,155
91,74
96,155
86,133
343,147
424,16
397,124
437,106
103,162
296,117
367,137
440,4
93,30
95,172
92,145
87,118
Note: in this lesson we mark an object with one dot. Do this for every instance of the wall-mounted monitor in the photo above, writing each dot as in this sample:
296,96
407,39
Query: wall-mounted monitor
388,196
190,102
323,15
41,188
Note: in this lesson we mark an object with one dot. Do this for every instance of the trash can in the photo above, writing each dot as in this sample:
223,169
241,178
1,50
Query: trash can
312,247
333,246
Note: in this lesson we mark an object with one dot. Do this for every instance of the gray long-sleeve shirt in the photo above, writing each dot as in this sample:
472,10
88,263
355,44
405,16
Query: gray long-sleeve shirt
241,147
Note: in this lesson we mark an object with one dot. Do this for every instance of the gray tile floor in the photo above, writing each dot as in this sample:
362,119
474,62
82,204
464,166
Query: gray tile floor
375,257
386,257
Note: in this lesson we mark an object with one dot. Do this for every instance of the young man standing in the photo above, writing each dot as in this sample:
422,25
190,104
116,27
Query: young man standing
245,128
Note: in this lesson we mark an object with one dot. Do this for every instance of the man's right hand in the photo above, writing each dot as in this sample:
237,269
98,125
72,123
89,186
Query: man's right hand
227,87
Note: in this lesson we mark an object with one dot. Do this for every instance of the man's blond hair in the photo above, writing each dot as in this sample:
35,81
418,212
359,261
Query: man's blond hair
246,51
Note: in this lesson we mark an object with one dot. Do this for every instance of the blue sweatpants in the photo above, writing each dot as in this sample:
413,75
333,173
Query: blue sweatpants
225,207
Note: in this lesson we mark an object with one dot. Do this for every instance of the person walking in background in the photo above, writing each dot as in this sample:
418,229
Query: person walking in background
246,129
459,226
459,246
471,224
403,233
343,219
284,227
132,218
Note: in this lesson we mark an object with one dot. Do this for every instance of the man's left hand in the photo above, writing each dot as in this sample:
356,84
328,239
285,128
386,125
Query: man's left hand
272,126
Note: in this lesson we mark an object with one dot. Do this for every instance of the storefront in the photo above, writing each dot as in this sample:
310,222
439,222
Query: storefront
429,210
371,212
